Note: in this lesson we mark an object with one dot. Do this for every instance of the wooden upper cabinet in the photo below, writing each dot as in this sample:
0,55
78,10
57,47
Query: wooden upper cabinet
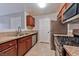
64,7
30,20
67,5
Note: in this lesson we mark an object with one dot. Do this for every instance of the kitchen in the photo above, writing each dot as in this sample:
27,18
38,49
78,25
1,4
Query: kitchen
38,29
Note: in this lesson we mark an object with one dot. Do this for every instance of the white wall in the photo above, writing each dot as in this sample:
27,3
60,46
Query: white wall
50,16
40,19
10,22
6,20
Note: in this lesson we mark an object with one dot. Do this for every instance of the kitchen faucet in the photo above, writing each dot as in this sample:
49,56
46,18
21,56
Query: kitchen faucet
19,31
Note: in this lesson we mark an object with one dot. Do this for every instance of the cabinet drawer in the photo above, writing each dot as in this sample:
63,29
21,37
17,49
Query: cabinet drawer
28,37
7,45
11,51
24,39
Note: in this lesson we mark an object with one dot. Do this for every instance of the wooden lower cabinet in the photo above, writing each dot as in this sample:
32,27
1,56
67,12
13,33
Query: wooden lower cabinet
24,44
12,51
29,42
9,49
16,47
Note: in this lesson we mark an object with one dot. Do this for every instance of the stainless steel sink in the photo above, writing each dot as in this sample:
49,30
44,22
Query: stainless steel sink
20,34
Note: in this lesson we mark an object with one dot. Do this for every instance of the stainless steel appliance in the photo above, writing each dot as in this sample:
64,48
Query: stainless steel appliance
71,11
59,51
33,39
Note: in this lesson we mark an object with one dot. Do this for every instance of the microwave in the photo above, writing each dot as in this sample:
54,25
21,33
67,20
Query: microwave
77,8
71,11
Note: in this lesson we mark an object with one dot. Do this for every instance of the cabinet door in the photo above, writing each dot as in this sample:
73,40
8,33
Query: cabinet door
67,5
33,21
7,45
12,51
22,46
29,42
30,21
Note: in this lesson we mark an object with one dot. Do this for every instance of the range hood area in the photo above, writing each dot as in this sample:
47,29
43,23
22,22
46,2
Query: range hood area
74,19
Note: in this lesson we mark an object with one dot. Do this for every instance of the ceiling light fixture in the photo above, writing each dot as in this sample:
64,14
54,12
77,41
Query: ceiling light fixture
42,5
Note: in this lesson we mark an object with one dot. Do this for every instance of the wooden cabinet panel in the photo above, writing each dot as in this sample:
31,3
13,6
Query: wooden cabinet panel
7,45
67,5
22,46
16,47
8,48
60,16
30,20
11,51
29,42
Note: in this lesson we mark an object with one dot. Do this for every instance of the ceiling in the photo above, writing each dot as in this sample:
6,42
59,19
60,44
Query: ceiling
33,8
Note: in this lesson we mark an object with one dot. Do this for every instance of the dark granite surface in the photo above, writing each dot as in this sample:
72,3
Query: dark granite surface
68,40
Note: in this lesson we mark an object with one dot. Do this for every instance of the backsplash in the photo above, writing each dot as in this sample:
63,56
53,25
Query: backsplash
11,21
7,34
71,27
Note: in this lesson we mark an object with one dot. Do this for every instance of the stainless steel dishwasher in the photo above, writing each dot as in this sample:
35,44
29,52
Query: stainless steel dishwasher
33,39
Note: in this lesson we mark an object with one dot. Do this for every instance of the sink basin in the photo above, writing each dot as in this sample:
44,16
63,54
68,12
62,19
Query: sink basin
20,34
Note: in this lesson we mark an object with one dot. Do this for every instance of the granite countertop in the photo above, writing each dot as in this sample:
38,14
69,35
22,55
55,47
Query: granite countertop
9,38
72,50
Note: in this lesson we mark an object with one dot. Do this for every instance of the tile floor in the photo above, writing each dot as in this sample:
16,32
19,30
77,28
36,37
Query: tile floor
41,49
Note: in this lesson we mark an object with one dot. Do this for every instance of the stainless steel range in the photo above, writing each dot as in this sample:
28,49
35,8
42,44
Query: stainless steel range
59,41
